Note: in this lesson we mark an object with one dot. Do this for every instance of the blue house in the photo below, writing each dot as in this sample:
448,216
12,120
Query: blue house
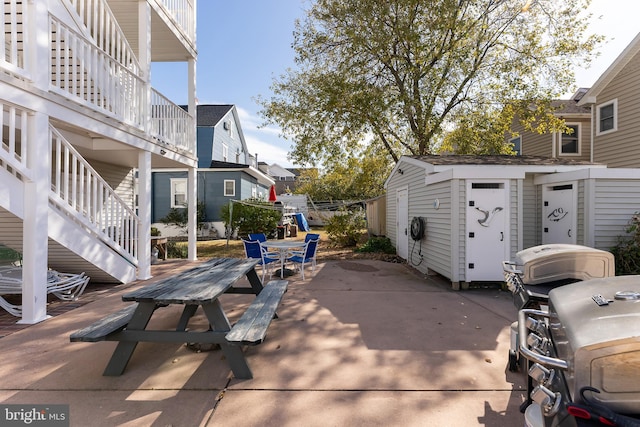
226,171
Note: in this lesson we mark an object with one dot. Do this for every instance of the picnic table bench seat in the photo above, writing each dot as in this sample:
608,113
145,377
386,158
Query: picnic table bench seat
252,326
101,329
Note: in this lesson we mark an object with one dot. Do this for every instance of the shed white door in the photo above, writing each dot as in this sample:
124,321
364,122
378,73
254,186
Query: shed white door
487,239
559,213
402,223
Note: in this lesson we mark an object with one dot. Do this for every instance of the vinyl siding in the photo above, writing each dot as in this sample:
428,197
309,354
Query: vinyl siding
437,243
531,213
120,178
616,202
621,148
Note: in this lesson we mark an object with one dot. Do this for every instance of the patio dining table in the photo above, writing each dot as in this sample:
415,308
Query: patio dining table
283,247
199,287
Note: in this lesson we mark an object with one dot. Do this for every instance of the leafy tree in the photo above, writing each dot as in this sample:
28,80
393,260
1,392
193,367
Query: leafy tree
256,216
352,179
406,71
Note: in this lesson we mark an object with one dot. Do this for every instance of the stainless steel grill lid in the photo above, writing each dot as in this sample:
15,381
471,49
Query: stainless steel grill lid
553,262
601,343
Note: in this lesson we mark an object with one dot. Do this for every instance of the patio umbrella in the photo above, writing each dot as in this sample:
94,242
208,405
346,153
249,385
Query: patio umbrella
272,194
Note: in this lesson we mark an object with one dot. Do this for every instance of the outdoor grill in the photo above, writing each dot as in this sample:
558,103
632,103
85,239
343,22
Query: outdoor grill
539,269
583,354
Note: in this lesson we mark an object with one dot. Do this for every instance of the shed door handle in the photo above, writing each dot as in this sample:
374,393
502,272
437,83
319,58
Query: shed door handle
569,233
501,236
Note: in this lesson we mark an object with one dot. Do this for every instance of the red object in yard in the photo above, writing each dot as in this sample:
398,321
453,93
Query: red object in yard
272,194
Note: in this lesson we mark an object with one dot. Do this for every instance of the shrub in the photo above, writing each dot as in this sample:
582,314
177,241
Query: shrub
258,217
627,251
179,216
378,244
177,249
346,228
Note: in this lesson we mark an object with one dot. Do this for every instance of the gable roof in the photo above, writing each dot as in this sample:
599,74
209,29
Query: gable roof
210,114
621,61
498,160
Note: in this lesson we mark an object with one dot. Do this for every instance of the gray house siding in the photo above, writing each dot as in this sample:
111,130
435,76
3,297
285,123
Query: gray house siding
621,148
531,218
161,193
120,178
205,146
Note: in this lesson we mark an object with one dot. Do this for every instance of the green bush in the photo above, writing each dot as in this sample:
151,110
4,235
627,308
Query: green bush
346,228
179,216
177,249
251,218
627,251
378,244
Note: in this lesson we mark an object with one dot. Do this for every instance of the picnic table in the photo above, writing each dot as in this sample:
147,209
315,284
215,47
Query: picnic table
201,286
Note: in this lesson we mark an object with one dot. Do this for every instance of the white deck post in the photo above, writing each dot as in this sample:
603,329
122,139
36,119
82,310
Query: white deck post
192,184
144,215
193,217
35,224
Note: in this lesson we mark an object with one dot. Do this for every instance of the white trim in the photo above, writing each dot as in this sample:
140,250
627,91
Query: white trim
613,102
225,152
578,143
511,142
224,189
172,183
590,173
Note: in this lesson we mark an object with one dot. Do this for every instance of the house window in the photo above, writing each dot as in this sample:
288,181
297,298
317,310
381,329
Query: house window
607,117
178,192
570,142
517,145
229,187
225,152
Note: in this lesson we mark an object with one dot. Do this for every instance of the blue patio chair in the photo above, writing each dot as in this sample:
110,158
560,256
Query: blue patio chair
260,237
311,236
253,249
308,256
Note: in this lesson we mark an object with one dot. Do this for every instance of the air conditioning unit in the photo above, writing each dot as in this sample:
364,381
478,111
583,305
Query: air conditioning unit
226,125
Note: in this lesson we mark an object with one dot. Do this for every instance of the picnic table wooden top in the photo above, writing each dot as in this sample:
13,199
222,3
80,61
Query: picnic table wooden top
200,285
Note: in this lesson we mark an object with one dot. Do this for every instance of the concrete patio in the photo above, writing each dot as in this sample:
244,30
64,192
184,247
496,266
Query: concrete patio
357,343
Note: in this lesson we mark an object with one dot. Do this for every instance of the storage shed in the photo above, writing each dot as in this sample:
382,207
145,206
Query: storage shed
377,216
461,216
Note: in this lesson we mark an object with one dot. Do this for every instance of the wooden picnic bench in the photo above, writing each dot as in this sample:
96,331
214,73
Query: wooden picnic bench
201,286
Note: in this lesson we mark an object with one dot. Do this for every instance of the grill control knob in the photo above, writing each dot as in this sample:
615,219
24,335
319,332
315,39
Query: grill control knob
536,326
541,374
538,343
547,399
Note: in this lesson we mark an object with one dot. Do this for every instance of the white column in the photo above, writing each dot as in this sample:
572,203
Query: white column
35,227
192,185
144,215
192,223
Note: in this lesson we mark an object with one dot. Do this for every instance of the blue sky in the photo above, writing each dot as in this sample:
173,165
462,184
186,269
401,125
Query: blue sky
243,44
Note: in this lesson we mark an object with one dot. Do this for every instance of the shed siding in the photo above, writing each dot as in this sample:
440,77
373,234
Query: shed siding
580,236
621,148
616,202
461,185
531,213
436,246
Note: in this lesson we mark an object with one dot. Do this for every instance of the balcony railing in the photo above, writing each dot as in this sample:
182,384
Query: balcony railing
170,123
87,73
15,134
183,13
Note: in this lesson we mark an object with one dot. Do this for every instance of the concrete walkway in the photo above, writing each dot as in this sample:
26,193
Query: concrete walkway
359,343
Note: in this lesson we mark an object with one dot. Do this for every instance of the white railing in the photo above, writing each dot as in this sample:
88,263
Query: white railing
182,12
77,187
171,124
105,31
84,71
13,150
12,20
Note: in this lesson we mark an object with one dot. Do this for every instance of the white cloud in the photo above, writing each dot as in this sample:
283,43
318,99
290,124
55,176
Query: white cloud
265,141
